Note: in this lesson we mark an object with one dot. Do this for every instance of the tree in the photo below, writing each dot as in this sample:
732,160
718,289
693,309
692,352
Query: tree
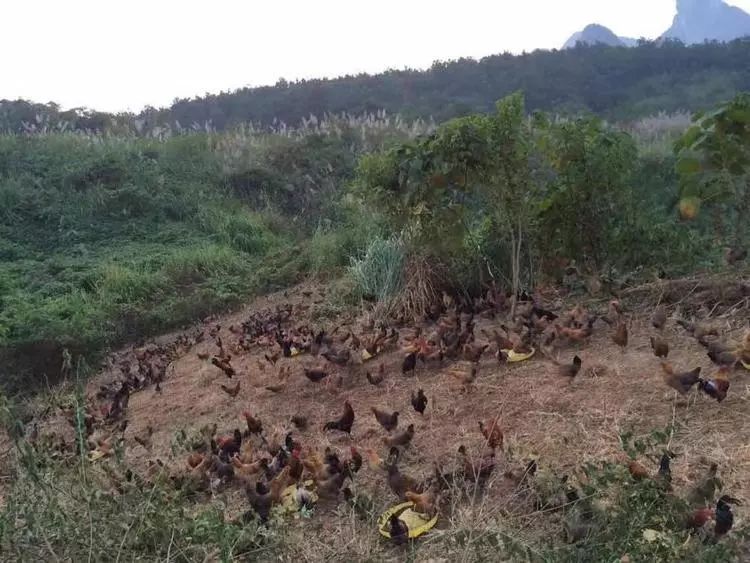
714,166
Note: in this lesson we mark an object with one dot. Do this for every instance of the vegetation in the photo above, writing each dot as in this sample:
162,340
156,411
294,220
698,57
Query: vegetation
614,82
107,239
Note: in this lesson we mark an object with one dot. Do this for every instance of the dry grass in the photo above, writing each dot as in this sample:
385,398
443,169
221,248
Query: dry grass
561,425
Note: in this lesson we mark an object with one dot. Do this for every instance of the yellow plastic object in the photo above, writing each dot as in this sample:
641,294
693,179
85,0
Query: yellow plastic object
287,496
745,365
516,357
366,355
417,523
294,351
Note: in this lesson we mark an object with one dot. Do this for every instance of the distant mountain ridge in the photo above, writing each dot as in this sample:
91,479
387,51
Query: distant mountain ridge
696,21
597,34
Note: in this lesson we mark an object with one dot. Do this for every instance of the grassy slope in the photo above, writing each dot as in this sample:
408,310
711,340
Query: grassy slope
107,240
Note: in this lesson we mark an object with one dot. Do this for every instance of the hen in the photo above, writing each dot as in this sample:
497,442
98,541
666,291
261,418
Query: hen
419,401
387,420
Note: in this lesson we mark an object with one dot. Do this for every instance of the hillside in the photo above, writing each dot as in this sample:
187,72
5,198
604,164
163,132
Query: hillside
698,21
614,83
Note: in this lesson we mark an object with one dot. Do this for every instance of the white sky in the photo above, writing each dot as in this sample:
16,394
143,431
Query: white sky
123,54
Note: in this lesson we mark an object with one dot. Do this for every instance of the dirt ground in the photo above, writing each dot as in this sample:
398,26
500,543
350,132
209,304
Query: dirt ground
542,417
559,424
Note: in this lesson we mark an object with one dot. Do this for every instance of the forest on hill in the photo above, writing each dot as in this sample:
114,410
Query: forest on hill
613,82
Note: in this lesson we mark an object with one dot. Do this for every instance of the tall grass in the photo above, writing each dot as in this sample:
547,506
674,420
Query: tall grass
379,273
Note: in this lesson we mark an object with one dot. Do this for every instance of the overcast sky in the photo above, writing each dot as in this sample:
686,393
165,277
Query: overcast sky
123,54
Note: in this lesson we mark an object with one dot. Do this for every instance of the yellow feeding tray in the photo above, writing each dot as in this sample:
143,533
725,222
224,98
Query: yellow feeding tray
295,351
745,365
516,357
366,355
417,523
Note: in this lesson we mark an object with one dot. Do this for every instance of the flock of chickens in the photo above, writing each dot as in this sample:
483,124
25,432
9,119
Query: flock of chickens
266,465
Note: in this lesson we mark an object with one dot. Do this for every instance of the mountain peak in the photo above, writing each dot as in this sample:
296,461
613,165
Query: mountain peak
594,34
697,21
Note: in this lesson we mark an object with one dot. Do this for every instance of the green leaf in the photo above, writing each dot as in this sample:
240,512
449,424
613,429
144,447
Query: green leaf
688,166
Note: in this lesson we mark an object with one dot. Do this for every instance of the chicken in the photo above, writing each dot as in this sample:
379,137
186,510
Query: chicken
315,374
419,401
699,518
492,433
477,472
260,500
466,378
703,493
397,481
224,366
387,420
245,470
194,460
374,460
659,318
398,530
378,378
659,346
723,358
229,446
345,422
424,503
331,487
254,425
299,421
279,483
410,363
680,382
473,353
338,357
717,387
273,358
355,461
620,336
664,474
231,391
637,471
570,370
724,517
402,438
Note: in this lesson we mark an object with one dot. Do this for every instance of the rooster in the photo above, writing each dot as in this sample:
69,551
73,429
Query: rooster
344,422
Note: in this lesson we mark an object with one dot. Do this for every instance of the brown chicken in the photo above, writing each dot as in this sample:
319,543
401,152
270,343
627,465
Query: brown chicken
466,377
620,335
231,391
425,503
387,420
254,425
680,382
474,353
403,438
194,460
637,471
399,483
224,366
331,487
477,471
659,346
492,432
315,374
659,318
345,422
